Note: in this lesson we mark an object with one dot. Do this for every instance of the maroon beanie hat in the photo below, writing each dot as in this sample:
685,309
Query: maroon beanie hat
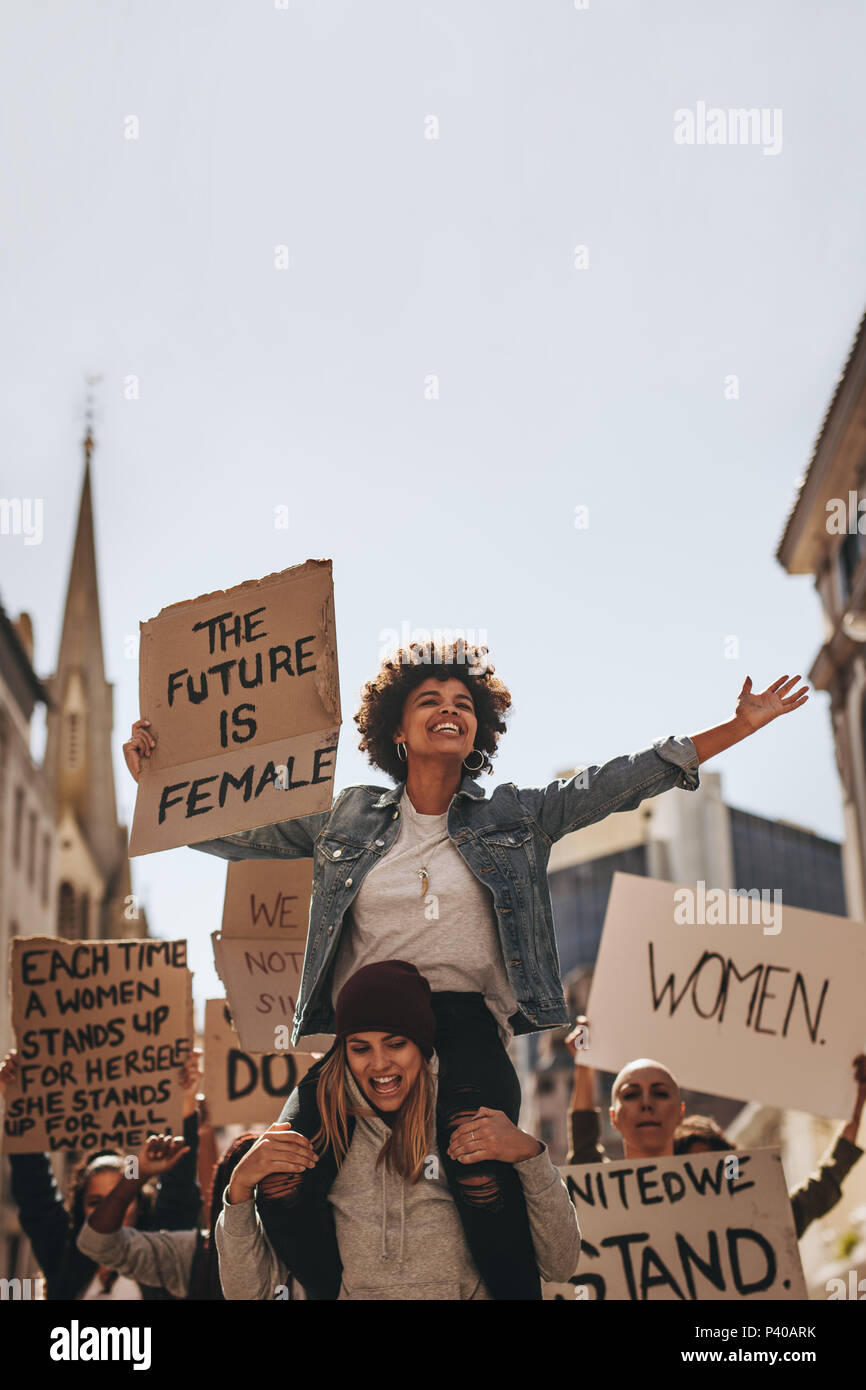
390,996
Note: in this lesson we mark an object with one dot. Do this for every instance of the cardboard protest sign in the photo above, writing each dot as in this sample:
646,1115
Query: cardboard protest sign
242,692
262,979
706,1226
259,953
102,1030
268,899
771,1010
241,1088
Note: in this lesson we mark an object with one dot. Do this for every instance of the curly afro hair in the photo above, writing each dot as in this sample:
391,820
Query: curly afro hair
383,698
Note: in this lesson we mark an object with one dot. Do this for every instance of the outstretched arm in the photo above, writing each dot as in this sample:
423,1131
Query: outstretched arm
159,1258
823,1187
752,712
569,804
584,1117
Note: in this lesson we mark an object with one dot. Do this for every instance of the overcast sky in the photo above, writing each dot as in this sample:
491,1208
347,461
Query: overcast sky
671,377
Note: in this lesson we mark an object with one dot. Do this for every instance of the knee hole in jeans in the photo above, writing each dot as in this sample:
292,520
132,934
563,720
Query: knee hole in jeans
480,1188
281,1186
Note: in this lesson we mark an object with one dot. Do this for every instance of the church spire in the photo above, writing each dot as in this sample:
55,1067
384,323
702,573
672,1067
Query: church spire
78,741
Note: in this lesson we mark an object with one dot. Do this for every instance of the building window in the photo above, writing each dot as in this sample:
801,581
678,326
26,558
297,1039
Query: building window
46,865
850,554
17,819
73,739
83,916
546,1132
545,1085
31,848
805,868
67,925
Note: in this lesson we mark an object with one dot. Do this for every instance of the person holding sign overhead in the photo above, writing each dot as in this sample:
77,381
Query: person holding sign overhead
53,1227
433,871
647,1109
821,1191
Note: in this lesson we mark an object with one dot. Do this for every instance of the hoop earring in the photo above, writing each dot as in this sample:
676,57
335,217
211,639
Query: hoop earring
478,766
402,756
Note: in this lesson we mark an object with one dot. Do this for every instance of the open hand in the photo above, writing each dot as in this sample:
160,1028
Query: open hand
755,710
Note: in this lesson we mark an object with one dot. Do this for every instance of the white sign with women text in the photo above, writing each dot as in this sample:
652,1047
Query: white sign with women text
709,1226
741,998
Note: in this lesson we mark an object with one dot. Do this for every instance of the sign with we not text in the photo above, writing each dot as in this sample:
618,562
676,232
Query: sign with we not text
259,953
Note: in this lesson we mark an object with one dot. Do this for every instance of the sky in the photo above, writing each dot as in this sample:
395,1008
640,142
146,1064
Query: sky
433,278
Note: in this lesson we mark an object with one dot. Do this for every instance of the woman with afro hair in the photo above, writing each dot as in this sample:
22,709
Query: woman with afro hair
434,872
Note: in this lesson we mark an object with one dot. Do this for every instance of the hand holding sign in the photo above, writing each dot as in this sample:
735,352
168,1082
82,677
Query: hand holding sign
139,745
850,1130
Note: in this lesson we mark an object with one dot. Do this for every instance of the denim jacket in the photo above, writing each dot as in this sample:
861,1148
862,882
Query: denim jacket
504,839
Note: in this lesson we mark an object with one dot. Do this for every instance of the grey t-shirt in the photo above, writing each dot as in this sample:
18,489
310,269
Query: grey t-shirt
449,933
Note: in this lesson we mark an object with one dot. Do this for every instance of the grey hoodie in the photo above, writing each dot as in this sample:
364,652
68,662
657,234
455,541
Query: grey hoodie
400,1240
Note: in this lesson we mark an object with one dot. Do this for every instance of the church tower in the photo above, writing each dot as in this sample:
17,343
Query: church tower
94,895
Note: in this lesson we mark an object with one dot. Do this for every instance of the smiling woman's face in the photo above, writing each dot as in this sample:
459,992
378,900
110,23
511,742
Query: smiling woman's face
385,1066
646,1110
438,721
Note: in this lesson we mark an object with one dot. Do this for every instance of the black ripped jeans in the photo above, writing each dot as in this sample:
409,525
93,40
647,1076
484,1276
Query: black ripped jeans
474,1070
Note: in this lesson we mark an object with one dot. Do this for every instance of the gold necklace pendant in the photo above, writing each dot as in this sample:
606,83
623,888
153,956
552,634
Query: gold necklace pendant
422,874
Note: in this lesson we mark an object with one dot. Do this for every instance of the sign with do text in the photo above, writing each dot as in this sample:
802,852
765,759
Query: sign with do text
737,997
242,693
259,953
707,1226
241,1088
102,1030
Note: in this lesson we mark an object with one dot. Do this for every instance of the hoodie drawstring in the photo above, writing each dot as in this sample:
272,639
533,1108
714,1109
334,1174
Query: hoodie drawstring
384,1254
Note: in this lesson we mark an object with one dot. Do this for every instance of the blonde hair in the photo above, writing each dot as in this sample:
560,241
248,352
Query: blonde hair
408,1144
